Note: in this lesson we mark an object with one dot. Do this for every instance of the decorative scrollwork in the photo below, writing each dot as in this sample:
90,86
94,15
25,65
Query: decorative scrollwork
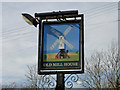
48,81
71,79
69,84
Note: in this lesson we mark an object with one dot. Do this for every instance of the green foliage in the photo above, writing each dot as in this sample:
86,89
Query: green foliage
77,52
44,56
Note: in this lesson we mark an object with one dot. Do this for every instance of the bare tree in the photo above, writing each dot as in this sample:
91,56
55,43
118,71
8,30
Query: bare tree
33,80
102,70
38,81
10,85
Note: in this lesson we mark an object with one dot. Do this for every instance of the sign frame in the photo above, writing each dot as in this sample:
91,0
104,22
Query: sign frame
41,70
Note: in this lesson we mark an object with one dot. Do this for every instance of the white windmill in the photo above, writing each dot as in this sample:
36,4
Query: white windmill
61,41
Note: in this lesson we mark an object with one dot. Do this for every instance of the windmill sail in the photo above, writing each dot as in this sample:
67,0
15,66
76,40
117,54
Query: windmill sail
68,44
67,30
54,44
52,31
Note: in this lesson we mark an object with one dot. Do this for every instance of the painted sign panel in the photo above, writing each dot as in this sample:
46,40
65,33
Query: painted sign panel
61,46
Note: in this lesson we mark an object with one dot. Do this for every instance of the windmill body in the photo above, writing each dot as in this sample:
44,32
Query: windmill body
61,42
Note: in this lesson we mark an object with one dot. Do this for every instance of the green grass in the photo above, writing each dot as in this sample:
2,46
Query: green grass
72,58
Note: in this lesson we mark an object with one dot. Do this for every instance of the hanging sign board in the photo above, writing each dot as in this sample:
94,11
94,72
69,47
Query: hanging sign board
61,47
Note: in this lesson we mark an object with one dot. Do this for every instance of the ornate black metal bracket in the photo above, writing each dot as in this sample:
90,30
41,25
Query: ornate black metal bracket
48,81
70,80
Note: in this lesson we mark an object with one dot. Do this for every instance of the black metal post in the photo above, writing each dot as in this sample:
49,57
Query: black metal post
60,82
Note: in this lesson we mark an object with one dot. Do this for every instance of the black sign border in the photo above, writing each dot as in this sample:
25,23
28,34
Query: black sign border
41,70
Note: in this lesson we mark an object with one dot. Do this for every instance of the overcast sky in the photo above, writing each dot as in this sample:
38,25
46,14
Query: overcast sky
19,40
